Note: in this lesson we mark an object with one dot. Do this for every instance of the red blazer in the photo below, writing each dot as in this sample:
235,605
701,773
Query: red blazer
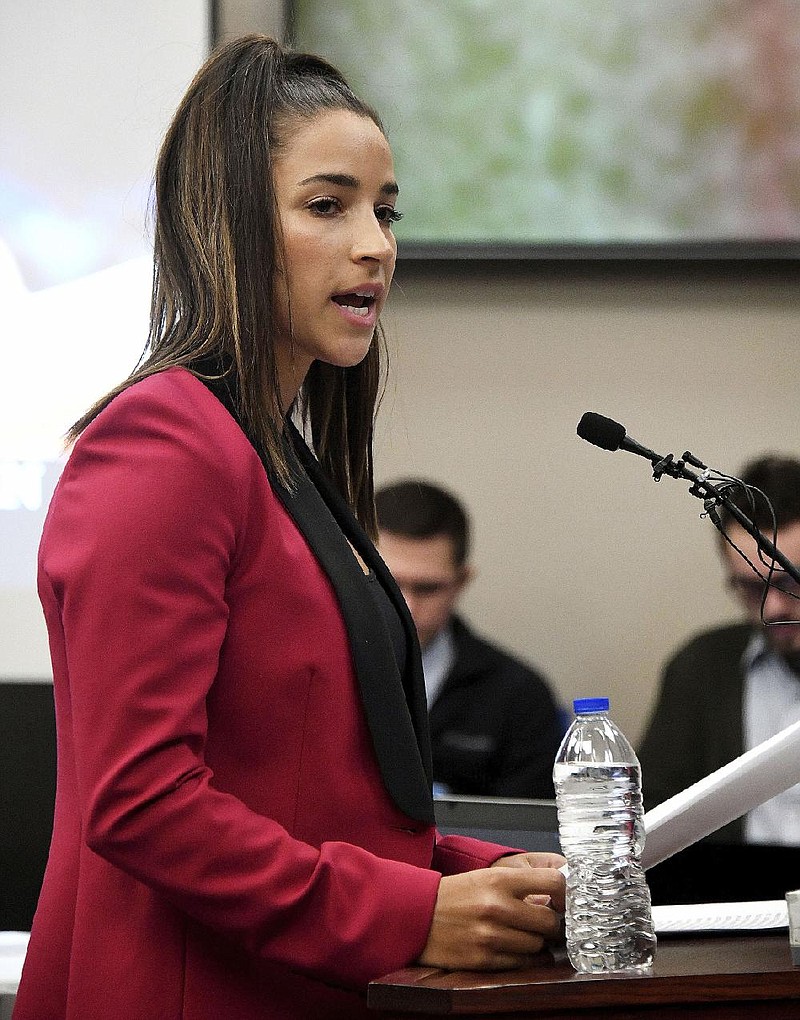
243,823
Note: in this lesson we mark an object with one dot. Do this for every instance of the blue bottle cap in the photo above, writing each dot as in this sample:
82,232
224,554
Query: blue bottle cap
584,705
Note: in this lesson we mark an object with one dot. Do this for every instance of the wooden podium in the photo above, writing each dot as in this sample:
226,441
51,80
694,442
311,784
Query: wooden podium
734,978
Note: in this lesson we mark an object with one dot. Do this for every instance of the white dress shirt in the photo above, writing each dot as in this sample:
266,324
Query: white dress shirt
437,661
771,703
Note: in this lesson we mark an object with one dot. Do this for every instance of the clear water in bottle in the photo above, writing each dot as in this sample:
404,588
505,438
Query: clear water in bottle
598,789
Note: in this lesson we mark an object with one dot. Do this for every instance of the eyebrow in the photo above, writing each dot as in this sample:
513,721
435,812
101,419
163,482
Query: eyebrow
348,181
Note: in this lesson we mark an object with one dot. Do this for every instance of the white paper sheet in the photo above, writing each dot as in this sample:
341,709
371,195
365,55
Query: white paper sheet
13,946
736,788
759,915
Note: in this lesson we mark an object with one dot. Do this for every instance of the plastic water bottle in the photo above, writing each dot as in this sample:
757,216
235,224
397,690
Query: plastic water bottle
597,778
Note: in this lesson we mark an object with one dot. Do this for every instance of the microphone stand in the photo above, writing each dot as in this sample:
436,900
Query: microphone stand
713,496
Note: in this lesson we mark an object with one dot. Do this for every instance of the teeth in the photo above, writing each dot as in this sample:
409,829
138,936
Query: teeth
362,310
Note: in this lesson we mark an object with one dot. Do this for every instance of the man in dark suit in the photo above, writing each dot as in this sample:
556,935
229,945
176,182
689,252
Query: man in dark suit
733,687
495,726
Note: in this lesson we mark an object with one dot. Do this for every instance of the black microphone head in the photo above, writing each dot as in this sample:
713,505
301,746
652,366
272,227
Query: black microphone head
601,431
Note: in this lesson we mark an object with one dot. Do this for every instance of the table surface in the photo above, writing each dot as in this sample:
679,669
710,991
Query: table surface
746,968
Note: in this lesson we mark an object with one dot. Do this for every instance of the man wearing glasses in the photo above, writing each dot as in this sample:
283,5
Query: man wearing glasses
495,726
731,688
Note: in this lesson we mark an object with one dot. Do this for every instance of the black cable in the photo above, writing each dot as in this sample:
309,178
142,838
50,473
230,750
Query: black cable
751,492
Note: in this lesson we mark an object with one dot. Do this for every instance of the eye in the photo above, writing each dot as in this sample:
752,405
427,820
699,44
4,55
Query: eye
324,206
388,214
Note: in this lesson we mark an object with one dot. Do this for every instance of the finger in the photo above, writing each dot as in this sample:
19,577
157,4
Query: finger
516,945
556,889
535,919
533,860
537,901
527,881
551,882
547,860
516,913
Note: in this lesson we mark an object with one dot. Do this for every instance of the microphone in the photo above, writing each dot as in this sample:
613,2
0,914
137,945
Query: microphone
610,435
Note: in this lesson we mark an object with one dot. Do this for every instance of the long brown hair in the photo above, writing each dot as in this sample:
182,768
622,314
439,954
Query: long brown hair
217,252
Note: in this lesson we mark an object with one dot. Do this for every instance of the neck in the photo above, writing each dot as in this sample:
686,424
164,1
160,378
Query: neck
292,372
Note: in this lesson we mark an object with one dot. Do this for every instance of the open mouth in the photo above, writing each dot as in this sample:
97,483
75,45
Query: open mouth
358,304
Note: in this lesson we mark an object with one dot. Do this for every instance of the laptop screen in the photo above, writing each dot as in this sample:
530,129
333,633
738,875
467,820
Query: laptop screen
522,824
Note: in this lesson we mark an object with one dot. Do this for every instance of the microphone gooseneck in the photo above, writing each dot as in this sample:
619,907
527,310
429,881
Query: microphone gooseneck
610,435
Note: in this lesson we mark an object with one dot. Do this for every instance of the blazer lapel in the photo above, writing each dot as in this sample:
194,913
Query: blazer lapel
395,707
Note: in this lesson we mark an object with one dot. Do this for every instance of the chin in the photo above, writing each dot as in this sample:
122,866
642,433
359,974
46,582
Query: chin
349,355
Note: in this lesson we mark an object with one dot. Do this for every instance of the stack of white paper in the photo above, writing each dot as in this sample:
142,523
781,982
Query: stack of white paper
736,788
759,915
13,946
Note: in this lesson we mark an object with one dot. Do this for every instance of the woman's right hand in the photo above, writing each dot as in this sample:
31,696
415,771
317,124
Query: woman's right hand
494,918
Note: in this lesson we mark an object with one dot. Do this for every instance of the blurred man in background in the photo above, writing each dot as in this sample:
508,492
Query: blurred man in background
732,687
495,726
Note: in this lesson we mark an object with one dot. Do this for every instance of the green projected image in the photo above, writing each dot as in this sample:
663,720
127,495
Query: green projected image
571,121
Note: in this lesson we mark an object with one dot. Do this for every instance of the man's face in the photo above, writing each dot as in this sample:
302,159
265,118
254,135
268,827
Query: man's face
428,577
780,605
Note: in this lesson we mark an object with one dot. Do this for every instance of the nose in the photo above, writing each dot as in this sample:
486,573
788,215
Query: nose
372,240
780,605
